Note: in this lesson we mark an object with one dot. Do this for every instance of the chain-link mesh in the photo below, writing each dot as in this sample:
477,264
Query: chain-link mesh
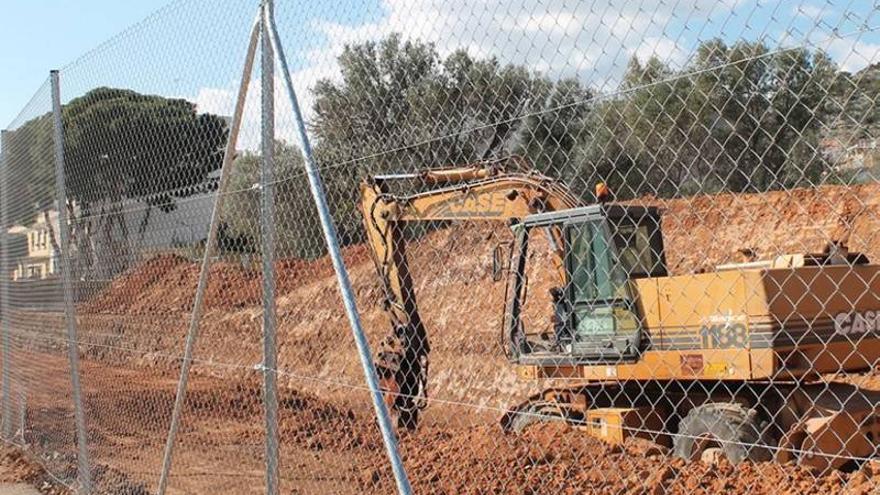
38,407
598,247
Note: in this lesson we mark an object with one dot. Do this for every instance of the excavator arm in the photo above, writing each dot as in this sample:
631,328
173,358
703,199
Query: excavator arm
483,191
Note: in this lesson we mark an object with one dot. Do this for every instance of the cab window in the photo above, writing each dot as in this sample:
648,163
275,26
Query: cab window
637,249
599,291
593,273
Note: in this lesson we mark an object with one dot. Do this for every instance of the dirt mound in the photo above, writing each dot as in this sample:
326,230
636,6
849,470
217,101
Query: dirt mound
699,232
166,283
704,231
138,282
559,459
460,305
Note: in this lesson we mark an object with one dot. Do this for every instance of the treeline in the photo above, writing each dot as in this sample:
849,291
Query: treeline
737,117
124,152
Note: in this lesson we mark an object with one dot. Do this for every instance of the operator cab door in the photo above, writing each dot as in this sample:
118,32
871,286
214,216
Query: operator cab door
603,254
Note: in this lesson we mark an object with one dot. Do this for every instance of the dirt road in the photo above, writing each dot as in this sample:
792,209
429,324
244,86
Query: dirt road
331,447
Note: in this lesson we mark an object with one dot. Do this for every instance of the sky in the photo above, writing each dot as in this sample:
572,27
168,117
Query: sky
194,49
40,35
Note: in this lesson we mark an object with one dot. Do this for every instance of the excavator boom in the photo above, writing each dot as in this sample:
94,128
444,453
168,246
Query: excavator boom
481,191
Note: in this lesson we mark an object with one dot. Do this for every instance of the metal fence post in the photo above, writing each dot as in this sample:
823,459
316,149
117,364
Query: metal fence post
267,234
69,309
363,347
4,288
22,415
210,246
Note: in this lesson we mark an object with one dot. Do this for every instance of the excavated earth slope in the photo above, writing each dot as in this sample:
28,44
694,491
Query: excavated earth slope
460,305
459,449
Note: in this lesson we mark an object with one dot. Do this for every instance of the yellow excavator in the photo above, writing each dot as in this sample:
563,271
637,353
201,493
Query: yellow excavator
732,361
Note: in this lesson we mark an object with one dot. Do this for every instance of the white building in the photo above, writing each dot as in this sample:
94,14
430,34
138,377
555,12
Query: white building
41,259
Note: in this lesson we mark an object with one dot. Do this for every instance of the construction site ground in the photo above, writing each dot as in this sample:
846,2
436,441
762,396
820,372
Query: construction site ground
17,489
20,474
132,336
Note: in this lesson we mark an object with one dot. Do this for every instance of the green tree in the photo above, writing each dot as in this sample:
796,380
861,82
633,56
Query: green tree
297,228
556,120
400,106
121,148
764,112
738,118
31,158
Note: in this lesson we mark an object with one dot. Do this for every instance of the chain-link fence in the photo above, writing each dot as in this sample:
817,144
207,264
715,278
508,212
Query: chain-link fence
582,247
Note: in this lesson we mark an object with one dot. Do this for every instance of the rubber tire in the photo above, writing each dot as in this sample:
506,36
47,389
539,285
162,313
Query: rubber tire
739,430
408,419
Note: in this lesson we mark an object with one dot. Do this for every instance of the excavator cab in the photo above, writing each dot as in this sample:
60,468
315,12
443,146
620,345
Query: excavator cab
597,316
